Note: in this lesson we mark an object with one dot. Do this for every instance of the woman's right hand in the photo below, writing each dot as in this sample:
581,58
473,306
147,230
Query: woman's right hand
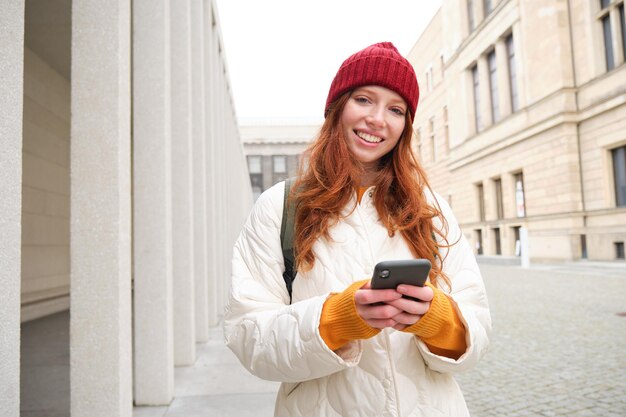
372,307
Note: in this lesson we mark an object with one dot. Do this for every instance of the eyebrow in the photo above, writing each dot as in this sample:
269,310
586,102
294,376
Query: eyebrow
367,89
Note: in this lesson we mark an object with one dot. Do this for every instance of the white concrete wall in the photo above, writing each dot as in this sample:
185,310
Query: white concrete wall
100,319
46,190
11,90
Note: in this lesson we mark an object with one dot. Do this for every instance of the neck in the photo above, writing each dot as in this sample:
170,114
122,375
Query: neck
370,172
367,179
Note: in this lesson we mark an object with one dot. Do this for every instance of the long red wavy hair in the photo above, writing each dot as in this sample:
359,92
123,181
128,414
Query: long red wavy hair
327,180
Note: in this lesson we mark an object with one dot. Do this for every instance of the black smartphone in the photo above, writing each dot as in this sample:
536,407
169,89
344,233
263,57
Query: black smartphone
390,274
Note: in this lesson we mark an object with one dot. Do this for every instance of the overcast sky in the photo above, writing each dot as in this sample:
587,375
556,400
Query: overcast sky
283,54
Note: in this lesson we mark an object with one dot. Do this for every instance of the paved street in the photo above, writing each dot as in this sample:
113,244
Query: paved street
558,345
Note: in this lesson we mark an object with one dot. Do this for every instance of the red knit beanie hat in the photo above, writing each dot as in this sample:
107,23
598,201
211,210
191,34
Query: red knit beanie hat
379,64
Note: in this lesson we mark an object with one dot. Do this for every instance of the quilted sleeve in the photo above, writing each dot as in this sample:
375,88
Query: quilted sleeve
469,298
273,339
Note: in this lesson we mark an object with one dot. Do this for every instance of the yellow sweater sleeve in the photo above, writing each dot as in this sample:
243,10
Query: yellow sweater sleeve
441,328
340,323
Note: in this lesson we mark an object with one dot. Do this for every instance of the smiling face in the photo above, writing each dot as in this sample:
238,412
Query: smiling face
373,120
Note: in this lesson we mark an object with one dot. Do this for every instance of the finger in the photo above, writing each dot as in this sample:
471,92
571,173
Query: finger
381,324
422,293
406,319
368,296
409,306
367,286
400,326
382,311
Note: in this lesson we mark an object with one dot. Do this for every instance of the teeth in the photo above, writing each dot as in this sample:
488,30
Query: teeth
368,138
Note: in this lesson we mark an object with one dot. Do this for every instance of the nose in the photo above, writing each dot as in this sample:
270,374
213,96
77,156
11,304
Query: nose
376,117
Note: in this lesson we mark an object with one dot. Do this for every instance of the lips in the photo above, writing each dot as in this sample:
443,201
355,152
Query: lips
367,137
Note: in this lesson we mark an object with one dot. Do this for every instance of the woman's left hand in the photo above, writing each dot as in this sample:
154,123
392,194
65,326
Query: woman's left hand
412,310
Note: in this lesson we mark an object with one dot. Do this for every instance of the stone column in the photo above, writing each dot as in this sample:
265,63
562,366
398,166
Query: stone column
11,106
223,211
212,147
508,195
152,211
522,84
182,184
199,171
100,324
490,201
466,84
485,94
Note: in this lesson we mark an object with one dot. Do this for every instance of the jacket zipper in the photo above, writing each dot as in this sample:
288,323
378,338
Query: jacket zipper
392,366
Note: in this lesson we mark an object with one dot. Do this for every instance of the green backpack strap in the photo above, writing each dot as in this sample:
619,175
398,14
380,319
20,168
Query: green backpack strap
286,237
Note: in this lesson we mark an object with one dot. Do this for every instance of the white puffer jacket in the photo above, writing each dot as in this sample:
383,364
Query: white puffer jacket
391,374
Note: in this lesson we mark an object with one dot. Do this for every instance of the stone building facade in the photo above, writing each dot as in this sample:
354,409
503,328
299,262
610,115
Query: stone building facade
522,123
120,154
273,152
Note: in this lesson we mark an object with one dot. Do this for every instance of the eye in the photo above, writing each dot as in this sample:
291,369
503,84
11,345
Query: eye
361,99
398,110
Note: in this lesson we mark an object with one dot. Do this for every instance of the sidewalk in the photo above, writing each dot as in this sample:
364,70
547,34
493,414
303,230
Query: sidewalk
217,385
590,268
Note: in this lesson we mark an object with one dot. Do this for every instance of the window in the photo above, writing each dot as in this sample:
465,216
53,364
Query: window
256,175
470,15
254,164
476,85
279,168
446,134
433,144
612,11
499,205
481,201
488,4
608,42
623,27
520,204
479,241
497,241
517,249
279,164
510,50
619,250
619,175
493,86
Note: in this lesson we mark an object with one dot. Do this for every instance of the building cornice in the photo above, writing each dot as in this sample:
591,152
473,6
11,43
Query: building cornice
501,135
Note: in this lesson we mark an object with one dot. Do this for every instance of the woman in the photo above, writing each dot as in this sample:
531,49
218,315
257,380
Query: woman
341,348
